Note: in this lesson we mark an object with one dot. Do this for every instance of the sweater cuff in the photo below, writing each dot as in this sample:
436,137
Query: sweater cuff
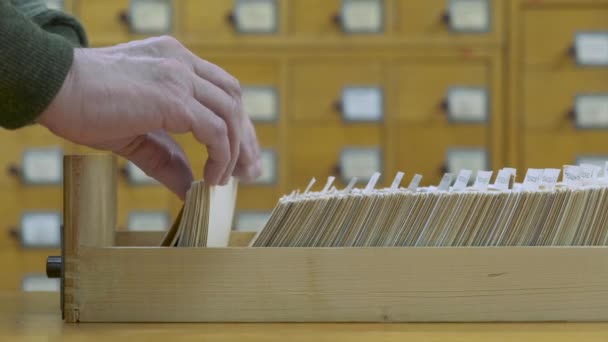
64,25
34,67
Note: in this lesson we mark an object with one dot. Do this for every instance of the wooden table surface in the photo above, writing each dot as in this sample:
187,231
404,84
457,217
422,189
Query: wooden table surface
36,317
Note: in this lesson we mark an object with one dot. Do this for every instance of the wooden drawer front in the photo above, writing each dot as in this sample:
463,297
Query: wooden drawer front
549,97
18,264
550,149
316,88
442,19
110,22
315,151
423,89
426,150
549,33
314,18
263,193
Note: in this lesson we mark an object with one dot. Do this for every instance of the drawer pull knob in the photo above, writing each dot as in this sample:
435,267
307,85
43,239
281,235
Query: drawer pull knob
337,19
123,17
54,266
445,17
444,105
338,107
14,170
231,18
336,170
14,233
443,169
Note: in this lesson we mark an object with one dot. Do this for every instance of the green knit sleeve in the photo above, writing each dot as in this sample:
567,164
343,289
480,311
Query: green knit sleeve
33,67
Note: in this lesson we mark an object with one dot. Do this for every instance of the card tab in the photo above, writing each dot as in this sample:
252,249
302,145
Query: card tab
268,159
462,180
572,175
362,104
260,103
533,179
414,183
360,163
482,180
39,283
139,221
503,180
330,181
310,184
372,183
251,221
591,111
589,173
351,185
150,16
256,16
397,181
469,15
362,16
598,160
41,230
446,180
467,105
42,166
591,48
549,179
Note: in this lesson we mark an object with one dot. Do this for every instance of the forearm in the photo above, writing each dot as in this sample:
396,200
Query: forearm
33,68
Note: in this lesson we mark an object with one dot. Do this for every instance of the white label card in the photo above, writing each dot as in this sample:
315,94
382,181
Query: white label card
137,176
591,48
414,183
502,180
42,166
361,163
591,111
550,177
446,180
41,230
251,221
268,159
469,15
150,16
39,283
462,180
482,180
600,161
54,4
260,103
360,16
572,175
467,104
533,179
255,16
362,104
589,173
470,159
148,221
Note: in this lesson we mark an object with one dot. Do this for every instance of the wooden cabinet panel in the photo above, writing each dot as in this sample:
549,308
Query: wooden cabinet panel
422,87
553,150
548,32
549,97
314,18
206,19
316,86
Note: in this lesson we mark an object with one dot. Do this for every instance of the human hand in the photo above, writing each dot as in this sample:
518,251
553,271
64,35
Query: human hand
126,98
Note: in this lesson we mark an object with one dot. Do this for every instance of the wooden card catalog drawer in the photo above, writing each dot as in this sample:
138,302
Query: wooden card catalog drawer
470,20
555,149
348,92
263,193
116,21
333,150
432,152
455,92
566,99
558,36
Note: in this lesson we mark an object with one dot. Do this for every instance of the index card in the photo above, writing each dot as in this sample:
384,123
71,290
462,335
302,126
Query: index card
482,180
260,103
414,183
462,180
467,104
42,166
533,179
150,16
469,15
549,178
148,221
591,48
362,16
362,103
41,229
572,175
446,180
397,181
256,16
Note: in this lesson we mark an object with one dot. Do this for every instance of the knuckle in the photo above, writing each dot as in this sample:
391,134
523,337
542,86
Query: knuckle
234,88
169,42
219,131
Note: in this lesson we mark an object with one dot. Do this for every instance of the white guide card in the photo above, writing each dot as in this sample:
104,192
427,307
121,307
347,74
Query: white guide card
600,161
362,16
42,166
41,229
469,15
462,180
533,179
550,177
255,16
467,104
482,180
260,103
591,48
137,176
591,111
54,4
39,283
268,158
148,221
251,221
150,16
361,163
470,159
362,104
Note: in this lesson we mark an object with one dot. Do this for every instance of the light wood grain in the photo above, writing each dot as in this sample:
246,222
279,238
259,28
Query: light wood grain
152,239
342,285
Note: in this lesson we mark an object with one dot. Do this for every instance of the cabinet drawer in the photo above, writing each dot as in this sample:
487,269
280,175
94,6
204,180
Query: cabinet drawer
553,150
317,151
16,264
314,18
424,88
431,152
549,32
264,192
549,97
110,22
472,21
317,88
